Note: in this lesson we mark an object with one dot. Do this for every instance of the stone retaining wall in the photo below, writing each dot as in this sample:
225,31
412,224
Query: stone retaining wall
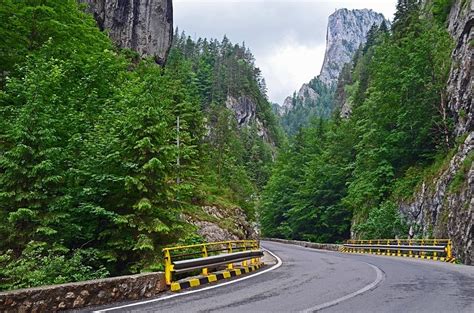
313,245
82,294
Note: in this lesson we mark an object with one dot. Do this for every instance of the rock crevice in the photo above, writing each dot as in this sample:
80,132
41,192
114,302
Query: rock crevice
245,110
145,26
461,21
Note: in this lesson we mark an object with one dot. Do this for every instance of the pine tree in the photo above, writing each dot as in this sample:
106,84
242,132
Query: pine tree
407,11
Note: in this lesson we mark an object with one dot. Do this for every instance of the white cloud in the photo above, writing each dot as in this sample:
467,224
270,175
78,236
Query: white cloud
289,65
287,37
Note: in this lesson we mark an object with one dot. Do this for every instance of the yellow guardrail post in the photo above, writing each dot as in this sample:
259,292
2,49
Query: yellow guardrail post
204,255
449,252
399,253
410,252
255,246
168,267
370,243
435,254
422,252
229,250
244,262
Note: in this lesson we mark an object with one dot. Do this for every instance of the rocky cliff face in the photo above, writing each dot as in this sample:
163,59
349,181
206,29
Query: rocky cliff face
286,106
221,224
461,21
245,109
443,207
305,96
145,26
347,30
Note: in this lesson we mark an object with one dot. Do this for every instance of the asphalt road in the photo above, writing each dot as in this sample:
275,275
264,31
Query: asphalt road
313,280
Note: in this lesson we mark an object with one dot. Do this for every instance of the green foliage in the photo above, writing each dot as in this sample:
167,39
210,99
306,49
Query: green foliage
91,146
462,174
89,180
302,198
223,69
404,188
360,168
303,110
238,160
88,152
383,222
441,9
27,25
43,265
406,15
397,122
225,165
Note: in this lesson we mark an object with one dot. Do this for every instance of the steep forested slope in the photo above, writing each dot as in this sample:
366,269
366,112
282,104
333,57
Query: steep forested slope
315,99
229,84
353,173
90,185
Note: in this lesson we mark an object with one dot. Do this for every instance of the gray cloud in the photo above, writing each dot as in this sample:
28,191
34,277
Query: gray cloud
268,27
257,23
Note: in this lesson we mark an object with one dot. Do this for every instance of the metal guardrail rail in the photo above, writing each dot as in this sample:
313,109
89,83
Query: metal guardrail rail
189,258
433,249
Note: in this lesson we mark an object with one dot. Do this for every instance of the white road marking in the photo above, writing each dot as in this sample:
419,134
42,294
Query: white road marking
370,286
274,267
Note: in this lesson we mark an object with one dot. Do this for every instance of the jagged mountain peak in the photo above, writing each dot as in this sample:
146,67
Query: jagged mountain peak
305,95
346,31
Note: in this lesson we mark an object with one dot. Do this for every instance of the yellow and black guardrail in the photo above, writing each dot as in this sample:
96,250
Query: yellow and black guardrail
431,249
211,256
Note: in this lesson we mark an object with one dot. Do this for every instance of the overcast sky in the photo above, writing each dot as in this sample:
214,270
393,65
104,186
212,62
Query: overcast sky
287,37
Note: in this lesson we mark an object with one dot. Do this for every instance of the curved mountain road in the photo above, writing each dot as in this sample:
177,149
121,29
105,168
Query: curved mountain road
313,280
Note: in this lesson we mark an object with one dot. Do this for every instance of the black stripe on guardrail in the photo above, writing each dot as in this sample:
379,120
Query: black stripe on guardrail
216,259
185,285
194,282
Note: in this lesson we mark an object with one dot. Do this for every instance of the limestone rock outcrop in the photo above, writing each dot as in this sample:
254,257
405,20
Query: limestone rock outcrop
145,26
347,30
444,208
306,96
222,224
461,22
245,110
